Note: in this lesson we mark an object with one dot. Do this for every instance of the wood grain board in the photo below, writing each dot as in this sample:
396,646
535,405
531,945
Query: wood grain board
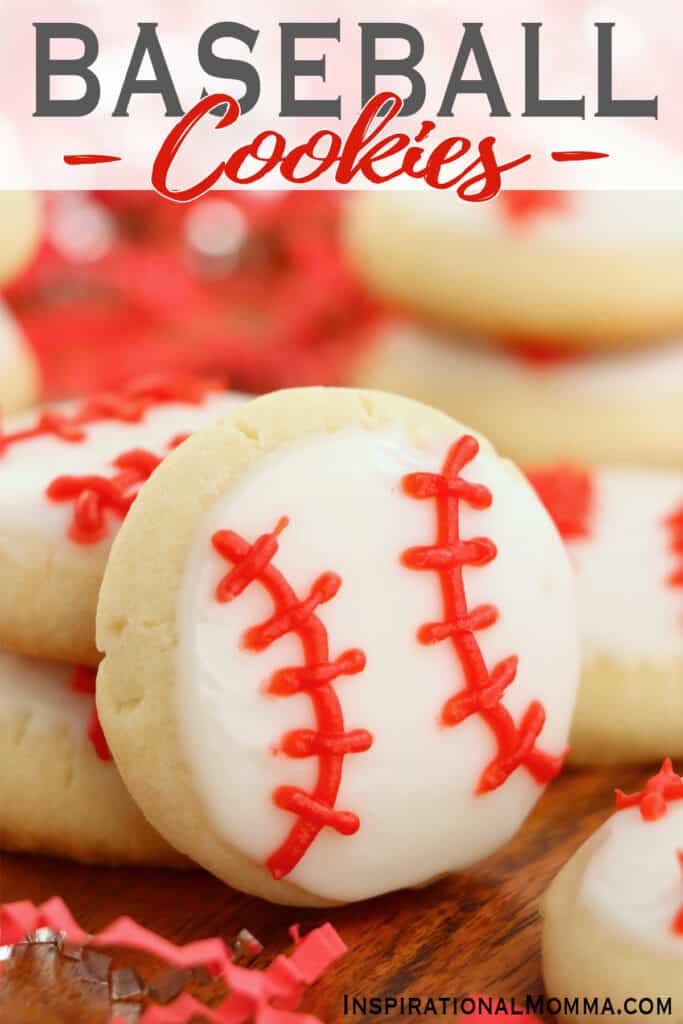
478,932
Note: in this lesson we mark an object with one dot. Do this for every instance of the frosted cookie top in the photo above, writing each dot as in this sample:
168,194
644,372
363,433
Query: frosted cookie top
71,472
649,373
51,695
633,881
597,218
624,530
377,628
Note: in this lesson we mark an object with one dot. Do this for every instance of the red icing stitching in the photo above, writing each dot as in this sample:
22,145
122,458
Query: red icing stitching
329,741
659,791
674,524
130,405
83,680
568,494
521,206
484,689
677,923
94,496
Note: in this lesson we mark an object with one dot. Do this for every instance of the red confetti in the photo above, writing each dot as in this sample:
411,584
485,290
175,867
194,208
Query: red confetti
484,688
328,742
521,206
265,997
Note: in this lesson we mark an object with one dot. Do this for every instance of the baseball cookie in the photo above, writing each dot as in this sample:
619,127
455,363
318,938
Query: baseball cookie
19,381
613,917
67,478
594,269
624,532
357,631
20,223
613,408
60,793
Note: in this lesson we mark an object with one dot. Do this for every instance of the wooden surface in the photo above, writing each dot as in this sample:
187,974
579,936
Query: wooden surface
479,932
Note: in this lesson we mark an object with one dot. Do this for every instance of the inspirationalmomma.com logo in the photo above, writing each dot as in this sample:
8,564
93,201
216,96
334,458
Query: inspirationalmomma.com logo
482,1009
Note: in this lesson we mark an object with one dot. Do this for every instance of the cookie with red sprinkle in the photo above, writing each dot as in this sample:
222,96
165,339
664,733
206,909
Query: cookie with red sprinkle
624,532
68,476
347,662
613,917
60,792
538,403
587,270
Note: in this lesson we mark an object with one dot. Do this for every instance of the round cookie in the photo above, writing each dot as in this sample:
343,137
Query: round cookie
359,647
624,532
621,408
60,793
19,379
20,224
67,477
592,269
613,917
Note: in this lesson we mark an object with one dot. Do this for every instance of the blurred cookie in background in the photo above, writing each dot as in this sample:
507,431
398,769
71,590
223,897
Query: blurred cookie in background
620,408
20,226
591,270
19,377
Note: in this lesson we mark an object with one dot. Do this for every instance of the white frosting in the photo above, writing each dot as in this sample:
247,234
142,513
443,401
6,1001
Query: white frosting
604,218
414,789
633,881
626,608
42,690
27,468
651,372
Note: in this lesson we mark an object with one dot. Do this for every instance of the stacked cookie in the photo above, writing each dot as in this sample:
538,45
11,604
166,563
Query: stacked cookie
552,317
68,476
550,321
19,230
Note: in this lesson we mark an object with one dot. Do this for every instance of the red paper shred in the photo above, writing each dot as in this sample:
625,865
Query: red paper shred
267,997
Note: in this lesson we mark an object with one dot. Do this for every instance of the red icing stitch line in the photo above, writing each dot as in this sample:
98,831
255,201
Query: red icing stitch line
568,495
130,405
674,524
265,997
677,923
659,791
329,741
484,689
83,680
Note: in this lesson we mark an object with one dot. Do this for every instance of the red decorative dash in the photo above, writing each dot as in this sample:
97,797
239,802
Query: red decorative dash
329,742
564,156
568,493
674,524
264,997
659,791
677,923
83,680
484,689
76,159
522,205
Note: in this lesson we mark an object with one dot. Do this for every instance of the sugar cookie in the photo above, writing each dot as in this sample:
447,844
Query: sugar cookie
611,408
613,917
20,224
359,647
19,381
67,477
595,269
624,532
60,793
